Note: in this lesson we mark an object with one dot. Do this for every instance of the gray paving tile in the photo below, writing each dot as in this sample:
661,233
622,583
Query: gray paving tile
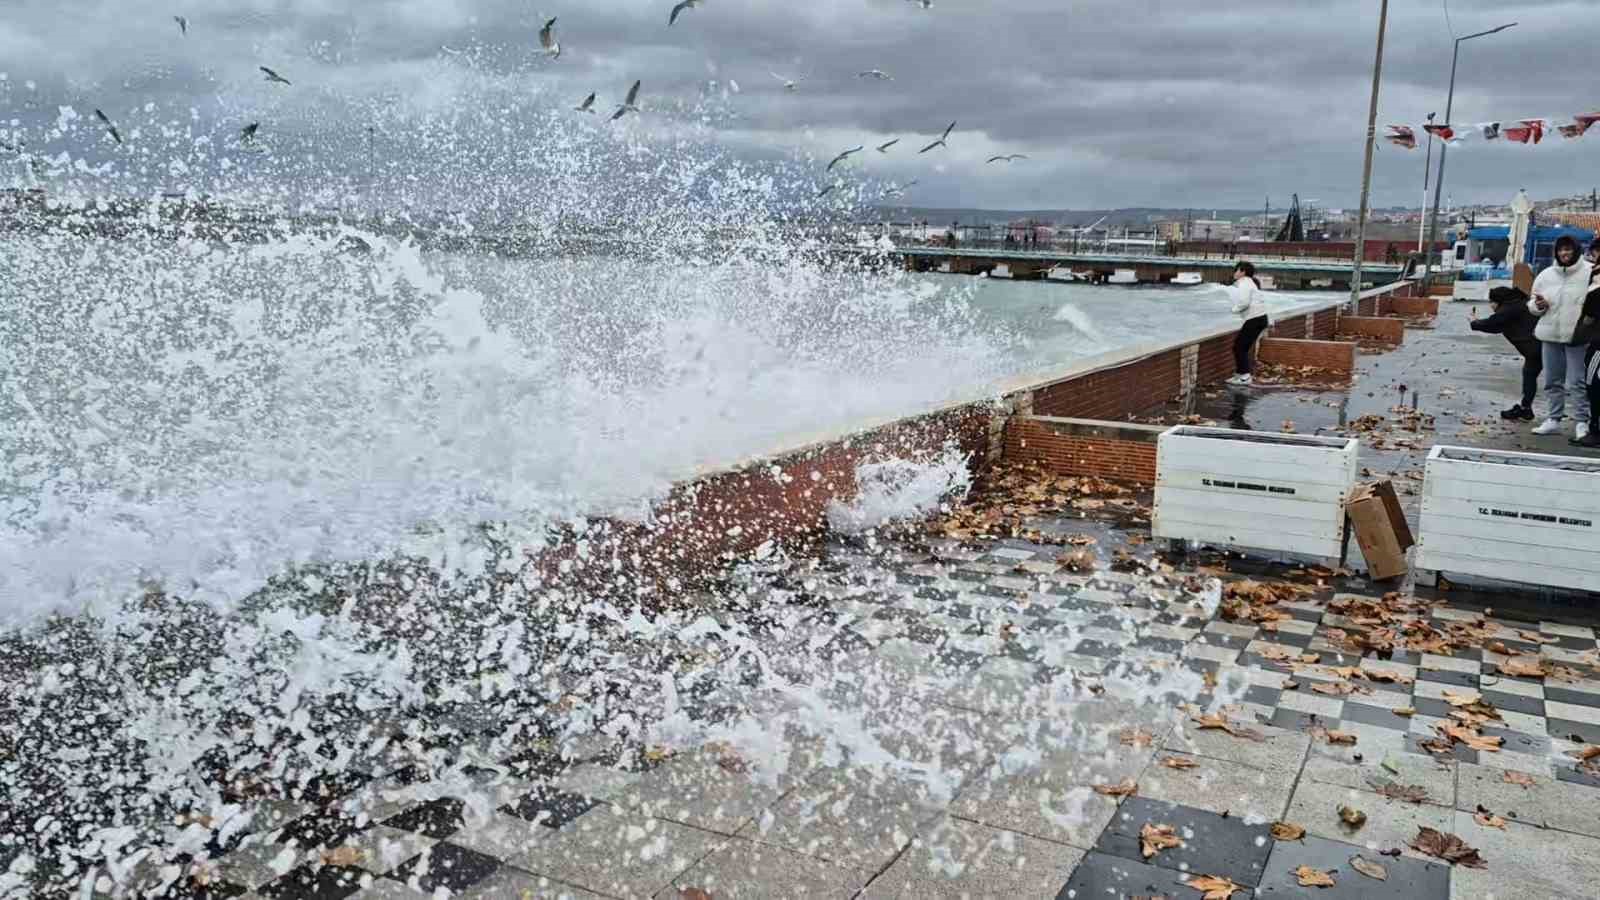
1407,879
1220,786
1549,802
1102,876
1279,748
1213,844
1524,861
1390,823
614,852
513,883
844,817
957,859
743,869
702,790
1437,778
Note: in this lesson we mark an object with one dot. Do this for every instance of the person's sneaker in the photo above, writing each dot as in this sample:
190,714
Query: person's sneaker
1581,432
1518,413
1241,379
1548,426
1590,439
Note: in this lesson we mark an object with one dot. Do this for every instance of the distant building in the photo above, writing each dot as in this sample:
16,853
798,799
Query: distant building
1212,230
1169,231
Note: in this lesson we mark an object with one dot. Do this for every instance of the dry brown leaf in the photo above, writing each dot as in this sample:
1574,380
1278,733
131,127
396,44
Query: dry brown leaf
1310,877
1404,711
658,754
1447,847
1287,831
1341,737
1387,676
1489,820
1334,688
1220,723
1523,667
1411,793
341,856
694,893
1275,652
1310,658
1213,887
1081,540
1585,753
1178,762
1136,737
1077,561
1458,700
1369,868
1522,778
1125,788
1354,818
1155,838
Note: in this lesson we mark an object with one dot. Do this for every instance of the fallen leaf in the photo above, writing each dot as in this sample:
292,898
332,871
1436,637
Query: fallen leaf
1155,838
658,754
1212,887
1341,737
1220,723
694,893
1458,700
1354,818
1125,788
1334,688
1369,868
1077,561
1136,737
1387,676
1178,762
1510,777
1523,667
1310,658
1405,711
1080,540
1585,753
1489,820
341,856
1310,877
1411,793
1447,847
1287,831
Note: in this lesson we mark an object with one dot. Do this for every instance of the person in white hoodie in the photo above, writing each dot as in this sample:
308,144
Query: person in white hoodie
1558,295
1251,306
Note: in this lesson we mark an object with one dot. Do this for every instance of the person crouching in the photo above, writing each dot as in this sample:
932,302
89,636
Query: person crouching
1251,306
1512,321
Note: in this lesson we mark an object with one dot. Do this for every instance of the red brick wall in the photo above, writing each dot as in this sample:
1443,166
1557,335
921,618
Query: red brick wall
1114,393
1081,451
1391,331
1335,355
1414,306
1216,360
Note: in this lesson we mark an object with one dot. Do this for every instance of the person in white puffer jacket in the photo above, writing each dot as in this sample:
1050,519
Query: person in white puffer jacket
1249,305
1558,295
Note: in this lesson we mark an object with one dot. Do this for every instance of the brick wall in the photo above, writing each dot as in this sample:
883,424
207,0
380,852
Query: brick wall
1335,355
1117,451
1391,331
1114,393
1414,306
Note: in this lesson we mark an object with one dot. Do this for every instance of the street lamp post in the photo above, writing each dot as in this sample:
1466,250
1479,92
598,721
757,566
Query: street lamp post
1427,171
1366,172
1438,182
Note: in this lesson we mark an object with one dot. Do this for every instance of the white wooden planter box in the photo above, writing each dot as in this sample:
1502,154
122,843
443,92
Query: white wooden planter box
1252,489
1520,517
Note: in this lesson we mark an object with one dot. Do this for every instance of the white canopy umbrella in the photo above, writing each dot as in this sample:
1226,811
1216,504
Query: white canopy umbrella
1522,217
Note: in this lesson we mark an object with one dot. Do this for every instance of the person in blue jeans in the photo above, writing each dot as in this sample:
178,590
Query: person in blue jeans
1558,296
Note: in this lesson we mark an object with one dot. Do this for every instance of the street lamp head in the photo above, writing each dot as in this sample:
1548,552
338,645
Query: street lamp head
1486,33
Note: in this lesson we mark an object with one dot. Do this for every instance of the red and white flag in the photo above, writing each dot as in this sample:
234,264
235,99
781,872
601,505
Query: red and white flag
1402,136
1442,132
1528,131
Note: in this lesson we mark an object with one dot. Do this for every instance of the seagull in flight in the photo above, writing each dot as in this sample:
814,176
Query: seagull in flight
879,74
925,4
884,147
901,189
587,105
547,39
844,156
183,24
789,84
630,105
826,191
112,129
678,10
941,141
1008,158
274,76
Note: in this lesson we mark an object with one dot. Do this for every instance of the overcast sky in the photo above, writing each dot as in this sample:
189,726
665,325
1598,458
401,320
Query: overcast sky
1119,103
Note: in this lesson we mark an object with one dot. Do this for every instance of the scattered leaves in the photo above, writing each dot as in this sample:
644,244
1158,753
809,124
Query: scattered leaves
1136,737
1213,887
1178,762
1155,838
1310,877
1369,868
1352,818
1287,831
1127,787
1447,847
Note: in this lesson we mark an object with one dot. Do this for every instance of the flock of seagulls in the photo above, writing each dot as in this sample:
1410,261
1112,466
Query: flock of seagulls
550,45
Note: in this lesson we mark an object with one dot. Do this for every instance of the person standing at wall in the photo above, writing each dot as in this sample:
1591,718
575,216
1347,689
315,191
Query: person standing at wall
1251,306
1512,320
1588,331
1558,297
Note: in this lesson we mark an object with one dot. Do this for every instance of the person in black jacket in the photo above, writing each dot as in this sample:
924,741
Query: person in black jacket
1512,319
1589,331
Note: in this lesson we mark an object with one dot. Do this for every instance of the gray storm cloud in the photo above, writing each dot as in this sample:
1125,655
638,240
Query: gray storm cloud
1141,102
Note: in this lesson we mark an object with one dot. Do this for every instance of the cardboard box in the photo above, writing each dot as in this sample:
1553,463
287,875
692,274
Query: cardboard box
1380,528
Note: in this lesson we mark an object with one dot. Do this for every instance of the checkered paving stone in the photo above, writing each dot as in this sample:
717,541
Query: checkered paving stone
1006,615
